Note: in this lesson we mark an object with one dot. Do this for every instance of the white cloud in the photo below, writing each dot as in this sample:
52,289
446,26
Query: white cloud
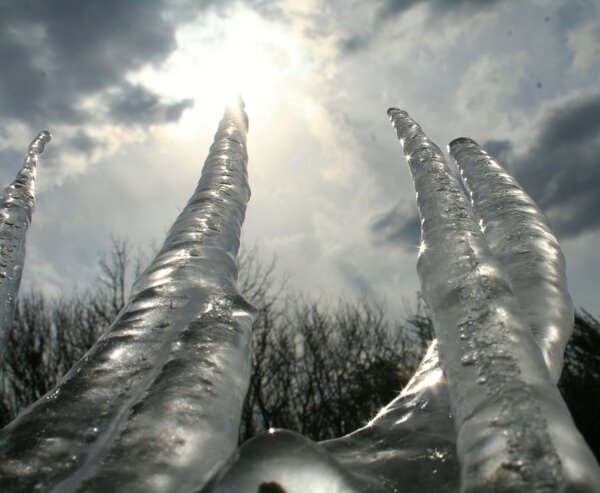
584,41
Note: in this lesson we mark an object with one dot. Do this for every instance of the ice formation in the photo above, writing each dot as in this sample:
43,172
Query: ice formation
155,405
17,202
493,420
514,431
520,237
409,447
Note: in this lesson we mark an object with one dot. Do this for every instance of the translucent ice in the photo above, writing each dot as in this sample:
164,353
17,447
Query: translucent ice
17,203
514,432
520,237
155,404
408,447
493,420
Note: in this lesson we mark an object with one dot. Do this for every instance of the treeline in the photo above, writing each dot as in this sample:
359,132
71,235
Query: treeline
321,369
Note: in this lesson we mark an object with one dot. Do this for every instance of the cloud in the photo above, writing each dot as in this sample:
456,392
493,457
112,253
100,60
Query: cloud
396,226
61,52
353,44
502,150
583,41
59,55
83,142
353,277
136,104
561,167
392,8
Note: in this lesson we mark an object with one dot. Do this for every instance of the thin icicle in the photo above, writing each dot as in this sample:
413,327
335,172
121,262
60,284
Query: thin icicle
155,404
520,236
17,203
510,418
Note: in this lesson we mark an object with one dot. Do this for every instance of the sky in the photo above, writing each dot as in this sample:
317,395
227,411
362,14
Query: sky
132,92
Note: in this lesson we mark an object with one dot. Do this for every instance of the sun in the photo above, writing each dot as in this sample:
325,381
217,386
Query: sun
239,55
245,64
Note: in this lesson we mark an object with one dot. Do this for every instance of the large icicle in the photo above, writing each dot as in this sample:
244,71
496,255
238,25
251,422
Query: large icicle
17,203
155,405
520,236
514,432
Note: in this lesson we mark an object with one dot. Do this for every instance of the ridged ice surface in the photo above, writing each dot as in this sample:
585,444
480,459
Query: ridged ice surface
155,405
17,203
514,432
493,420
408,447
520,236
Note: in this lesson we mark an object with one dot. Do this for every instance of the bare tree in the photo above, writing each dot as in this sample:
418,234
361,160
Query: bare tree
46,339
324,370
49,335
118,269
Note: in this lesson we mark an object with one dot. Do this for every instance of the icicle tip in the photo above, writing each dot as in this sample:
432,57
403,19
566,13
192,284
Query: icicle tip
38,144
461,140
393,110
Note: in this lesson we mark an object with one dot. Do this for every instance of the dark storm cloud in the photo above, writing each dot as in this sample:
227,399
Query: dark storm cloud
391,8
55,52
561,169
136,104
395,226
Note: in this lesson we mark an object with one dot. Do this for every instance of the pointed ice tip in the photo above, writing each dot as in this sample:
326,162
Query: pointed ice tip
39,143
235,103
235,107
461,140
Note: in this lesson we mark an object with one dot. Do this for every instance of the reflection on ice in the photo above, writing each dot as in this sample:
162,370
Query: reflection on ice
155,405
17,202
408,447
520,236
510,419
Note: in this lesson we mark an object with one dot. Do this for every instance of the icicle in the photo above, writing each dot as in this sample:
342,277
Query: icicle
520,236
155,404
510,419
17,203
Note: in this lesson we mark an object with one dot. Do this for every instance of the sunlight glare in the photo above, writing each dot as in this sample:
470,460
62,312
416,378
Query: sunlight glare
242,54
